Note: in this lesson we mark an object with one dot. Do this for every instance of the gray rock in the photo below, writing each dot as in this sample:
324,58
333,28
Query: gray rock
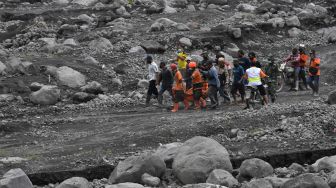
101,44
93,88
168,152
246,8
197,157
297,167
277,22
125,185
131,169
293,21
236,32
153,47
294,32
82,97
169,10
203,185
215,2
191,8
166,22
90,60
255,168
35,86
85,18
156,26
3,68
121,68
75,182
85,2
277,182
47,95
70,42
117,82
137,50
182,27
49,43
69,77
327,163
332,98
306,181
150,180
7,97
222,177
15,178
61,2
143,83
258,183
185,42
332,179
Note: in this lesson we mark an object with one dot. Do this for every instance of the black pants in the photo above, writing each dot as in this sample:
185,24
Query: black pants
302,76
222,90
238,87
164,89
151,90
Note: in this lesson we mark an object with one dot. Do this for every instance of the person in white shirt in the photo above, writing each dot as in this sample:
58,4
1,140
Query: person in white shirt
153,71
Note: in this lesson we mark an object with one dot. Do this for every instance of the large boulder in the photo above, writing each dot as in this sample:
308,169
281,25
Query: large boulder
131,169
153,47
150,180
101,44
258,183
255,168
222,177
125,185
15,178
93,88
185,42
85,2
70,77
293,21
332,97
82,97
332,179
168,152
75,182
306,181
198,157
47,95
327,163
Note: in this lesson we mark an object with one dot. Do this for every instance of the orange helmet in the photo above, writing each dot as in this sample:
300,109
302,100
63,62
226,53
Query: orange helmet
173,66
192,64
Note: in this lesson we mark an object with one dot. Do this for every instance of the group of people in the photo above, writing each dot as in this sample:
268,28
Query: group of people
190,82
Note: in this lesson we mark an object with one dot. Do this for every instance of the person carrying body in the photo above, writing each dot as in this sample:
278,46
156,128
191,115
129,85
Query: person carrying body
166,80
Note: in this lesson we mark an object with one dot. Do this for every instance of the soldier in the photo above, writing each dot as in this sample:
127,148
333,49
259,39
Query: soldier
272,70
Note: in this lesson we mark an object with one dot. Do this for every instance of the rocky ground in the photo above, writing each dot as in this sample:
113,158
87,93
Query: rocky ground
73,82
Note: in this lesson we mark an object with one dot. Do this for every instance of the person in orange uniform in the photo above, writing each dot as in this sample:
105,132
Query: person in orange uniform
178,88
198,86
314,72
303,63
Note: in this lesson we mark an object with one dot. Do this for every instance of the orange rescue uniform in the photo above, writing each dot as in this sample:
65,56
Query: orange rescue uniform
315,63
178,85
303,60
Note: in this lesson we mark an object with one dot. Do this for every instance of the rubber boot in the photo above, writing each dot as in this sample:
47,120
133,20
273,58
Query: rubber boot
175,108
186,105
296,86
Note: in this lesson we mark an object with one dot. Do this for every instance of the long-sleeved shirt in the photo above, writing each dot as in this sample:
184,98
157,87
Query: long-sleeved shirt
238,73
213,77
294,59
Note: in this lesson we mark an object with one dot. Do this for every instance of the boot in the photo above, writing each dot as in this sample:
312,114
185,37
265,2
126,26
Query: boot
148,100
176,107
186,105
247,104
197,105
296,86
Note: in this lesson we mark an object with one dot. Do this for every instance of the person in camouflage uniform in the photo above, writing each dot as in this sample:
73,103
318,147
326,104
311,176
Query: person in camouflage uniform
272,70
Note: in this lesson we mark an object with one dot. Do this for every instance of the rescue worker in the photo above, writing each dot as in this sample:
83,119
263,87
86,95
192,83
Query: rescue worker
303,63
197,86
153,71
182,61
223,75
314,72
178,89
294,61
166,79
213,83
237,84
244,61
254,76
272,71
187,79
253,60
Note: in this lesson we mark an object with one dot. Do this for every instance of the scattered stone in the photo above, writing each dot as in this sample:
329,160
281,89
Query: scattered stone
3,68
191,8
150,180
15,178
185,42
168,152
169,10
69,77
143,83
93,88
254,168
117,82
182,27
332,98
294,32
258,183
197,157
90,60
137,50
82,97
131,169
277,182
327,163
7,98
70,42
216,2
47,95
101,44
153,47
246,8
85,2
236,32
332,179
35,86
203,185
222,177
297,167
121,68
75,182
277,22
61,2
156,26
293,21
306,180
125,185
